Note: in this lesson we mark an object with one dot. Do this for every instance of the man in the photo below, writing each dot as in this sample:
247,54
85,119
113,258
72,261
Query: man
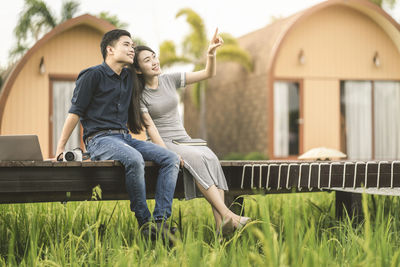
101,100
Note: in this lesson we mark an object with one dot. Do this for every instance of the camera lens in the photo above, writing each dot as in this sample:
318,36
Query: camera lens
69,156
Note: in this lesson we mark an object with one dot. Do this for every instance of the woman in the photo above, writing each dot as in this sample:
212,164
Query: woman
159,110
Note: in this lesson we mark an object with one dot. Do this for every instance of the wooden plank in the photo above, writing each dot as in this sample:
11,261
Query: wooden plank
39,184
28,181
104,163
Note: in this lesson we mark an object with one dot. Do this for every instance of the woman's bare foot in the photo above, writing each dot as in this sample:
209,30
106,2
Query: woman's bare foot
243,221
239,221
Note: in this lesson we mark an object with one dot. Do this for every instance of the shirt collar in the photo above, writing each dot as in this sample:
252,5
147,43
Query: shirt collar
110,72
107,68
124,72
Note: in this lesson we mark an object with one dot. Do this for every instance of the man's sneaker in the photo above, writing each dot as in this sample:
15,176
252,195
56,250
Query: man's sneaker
164,226
149,231
166,232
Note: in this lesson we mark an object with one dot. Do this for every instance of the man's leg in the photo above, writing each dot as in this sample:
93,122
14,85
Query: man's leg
166,181
113,147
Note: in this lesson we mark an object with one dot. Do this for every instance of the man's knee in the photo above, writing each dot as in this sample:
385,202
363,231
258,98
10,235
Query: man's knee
173,157
134,160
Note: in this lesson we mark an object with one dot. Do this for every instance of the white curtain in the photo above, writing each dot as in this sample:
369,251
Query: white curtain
62,94
387,120
281,119
357,101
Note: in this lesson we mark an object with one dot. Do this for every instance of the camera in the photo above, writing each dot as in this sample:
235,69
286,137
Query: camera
73,155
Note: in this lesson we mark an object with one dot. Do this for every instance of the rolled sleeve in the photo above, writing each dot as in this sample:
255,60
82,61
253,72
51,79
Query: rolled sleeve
183,80
178,79
86,84
143,107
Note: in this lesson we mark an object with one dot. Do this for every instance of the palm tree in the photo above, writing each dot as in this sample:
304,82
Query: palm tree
389,3
36,19
194,46
113,19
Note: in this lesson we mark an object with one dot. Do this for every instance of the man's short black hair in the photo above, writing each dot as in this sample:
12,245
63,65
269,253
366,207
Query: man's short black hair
109,38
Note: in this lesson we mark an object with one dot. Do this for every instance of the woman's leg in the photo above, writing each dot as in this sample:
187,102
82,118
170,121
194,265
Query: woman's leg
222,194
217,216
213,196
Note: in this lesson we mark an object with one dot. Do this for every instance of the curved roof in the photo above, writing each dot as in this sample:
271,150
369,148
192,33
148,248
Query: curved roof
86,19
267,42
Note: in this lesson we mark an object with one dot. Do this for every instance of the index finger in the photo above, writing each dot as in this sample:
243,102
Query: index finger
215,34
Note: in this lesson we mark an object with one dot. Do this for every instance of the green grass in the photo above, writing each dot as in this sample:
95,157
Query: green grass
290,230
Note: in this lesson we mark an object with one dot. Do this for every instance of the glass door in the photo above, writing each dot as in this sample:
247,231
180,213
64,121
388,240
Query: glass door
62,93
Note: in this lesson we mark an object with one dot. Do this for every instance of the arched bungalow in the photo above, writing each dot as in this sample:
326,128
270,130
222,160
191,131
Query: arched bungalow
36,96
325,76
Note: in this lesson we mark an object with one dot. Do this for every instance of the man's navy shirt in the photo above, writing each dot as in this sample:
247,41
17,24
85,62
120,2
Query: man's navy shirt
101,99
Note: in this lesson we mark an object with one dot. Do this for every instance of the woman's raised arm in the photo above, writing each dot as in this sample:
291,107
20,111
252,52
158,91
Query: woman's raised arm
211,65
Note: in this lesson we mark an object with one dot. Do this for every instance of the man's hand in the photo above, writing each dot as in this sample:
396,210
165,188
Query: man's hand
69,125
59,153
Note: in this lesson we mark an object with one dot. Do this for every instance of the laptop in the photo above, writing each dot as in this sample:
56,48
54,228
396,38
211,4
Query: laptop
20,147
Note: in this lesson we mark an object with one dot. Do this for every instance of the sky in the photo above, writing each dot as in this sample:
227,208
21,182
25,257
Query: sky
154,20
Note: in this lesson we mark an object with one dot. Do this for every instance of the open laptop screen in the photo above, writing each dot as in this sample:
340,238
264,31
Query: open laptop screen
20,147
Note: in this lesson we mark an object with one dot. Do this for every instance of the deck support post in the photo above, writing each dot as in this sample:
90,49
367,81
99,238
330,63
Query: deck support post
350,202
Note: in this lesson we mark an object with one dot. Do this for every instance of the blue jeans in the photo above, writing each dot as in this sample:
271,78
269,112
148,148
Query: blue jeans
132,153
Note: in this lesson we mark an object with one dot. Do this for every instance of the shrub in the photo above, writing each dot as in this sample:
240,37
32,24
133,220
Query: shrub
255,156
250,156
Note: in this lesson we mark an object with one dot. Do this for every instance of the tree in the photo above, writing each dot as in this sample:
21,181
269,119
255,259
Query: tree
194,47
36,19
380,3
113,19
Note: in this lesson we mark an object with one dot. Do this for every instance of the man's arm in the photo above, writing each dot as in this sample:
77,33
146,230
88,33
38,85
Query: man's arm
86,84
69,126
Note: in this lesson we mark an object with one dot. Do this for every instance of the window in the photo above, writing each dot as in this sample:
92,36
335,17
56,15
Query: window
370,115
62,93
356,113
387,120
286,118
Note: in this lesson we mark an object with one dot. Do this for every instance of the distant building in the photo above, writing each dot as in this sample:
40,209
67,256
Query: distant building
36,95
326,76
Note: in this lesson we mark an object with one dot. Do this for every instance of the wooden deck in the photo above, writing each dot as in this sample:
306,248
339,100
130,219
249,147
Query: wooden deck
30,181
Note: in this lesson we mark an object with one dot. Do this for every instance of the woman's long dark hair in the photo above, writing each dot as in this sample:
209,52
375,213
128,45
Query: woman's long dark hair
135,120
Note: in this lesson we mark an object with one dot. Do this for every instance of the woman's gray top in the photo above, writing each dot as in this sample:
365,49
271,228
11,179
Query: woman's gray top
200,162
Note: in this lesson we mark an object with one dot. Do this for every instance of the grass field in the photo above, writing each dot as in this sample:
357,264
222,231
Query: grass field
290,230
